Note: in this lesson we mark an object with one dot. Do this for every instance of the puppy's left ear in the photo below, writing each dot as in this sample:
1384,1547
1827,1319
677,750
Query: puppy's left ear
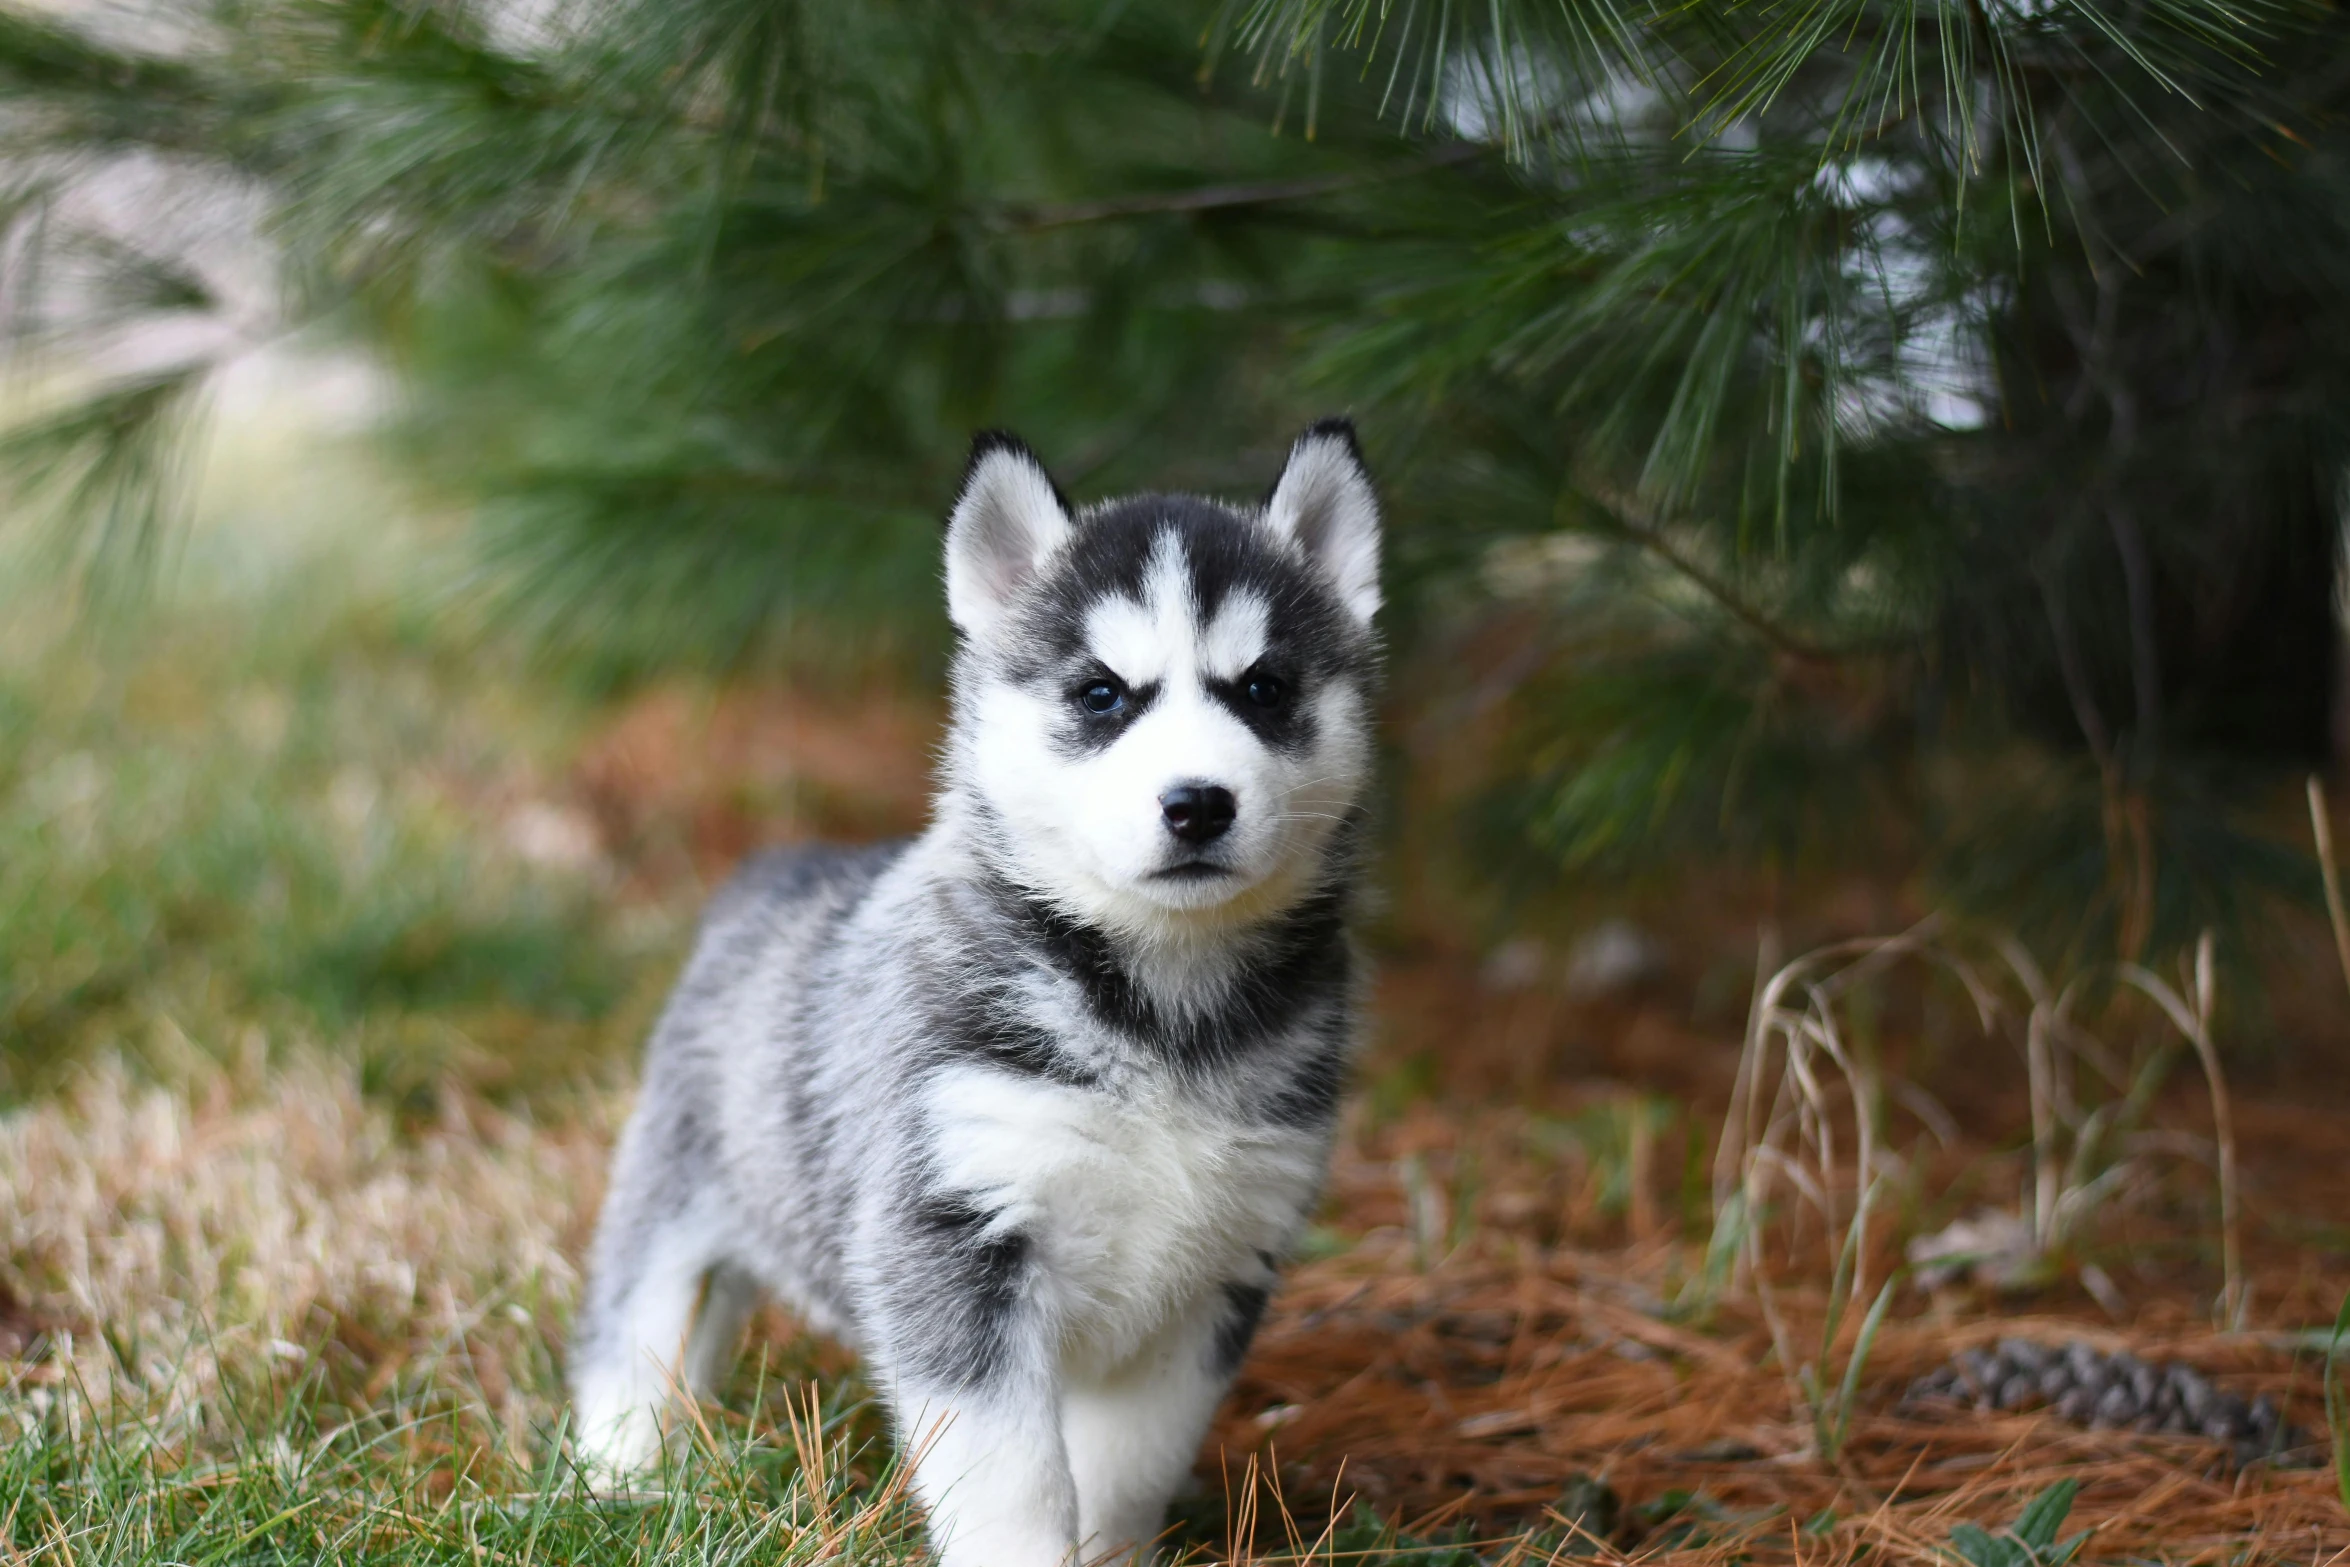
1325,505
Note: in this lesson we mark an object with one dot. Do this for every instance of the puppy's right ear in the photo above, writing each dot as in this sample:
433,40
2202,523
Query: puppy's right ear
1008,518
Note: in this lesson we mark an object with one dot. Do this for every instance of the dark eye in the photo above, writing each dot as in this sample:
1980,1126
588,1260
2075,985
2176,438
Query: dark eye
1103,696
1267,690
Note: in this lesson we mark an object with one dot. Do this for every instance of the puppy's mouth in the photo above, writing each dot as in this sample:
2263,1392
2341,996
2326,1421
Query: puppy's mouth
1192,870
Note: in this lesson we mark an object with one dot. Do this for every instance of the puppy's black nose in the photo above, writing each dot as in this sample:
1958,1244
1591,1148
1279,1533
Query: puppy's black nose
1197,813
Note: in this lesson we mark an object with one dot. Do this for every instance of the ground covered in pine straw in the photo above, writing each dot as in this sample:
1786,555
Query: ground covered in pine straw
262,1317
1483,1386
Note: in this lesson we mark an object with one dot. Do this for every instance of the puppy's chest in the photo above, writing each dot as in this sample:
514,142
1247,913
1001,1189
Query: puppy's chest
1132,1204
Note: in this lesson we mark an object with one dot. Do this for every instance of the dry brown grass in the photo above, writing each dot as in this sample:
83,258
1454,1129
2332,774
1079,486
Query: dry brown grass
162,1248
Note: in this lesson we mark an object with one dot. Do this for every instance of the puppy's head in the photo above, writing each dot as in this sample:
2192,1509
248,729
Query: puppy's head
1163,702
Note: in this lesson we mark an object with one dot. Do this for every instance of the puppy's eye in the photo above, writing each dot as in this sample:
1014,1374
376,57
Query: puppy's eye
1103,696
1267,690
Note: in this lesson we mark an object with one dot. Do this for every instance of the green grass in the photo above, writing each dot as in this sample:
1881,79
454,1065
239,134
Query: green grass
273,804
408,1487
2031,1541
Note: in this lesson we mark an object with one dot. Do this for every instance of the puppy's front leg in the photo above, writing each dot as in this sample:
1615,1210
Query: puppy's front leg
992,1476
967,1350
1134,1430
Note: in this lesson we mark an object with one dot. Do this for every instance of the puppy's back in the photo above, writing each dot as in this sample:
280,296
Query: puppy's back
775,906
731,1075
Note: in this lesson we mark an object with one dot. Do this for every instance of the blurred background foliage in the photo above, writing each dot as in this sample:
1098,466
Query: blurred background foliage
284,811
1895,435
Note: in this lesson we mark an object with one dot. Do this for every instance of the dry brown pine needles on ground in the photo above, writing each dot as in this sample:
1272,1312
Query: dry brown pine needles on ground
1480,1350
1480,1389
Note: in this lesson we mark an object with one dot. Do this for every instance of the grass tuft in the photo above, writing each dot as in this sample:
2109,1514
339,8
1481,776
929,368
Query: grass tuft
406,1487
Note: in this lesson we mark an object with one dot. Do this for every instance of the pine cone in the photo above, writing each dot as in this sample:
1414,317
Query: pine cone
2112,1392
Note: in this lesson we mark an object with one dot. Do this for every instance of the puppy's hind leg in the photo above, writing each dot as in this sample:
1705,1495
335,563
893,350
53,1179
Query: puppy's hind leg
729,1296
635,1346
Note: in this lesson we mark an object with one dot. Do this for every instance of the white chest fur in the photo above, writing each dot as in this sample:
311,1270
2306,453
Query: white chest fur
1134,1206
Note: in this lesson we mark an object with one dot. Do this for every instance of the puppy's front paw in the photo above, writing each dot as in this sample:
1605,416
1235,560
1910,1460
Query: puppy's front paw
1002,1543
617,1444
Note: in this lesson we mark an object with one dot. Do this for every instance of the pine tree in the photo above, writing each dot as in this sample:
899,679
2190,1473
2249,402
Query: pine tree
1871,411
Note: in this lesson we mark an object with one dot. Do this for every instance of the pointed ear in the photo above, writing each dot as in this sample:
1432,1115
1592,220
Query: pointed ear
1325,505
1008,518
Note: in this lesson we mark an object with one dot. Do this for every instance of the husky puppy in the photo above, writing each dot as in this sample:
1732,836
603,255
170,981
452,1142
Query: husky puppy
1030,1109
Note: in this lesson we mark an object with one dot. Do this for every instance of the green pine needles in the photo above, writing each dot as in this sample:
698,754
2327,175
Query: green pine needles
1898,428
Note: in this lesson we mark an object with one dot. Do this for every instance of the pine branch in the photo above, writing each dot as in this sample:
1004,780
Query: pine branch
1635,523
1211,198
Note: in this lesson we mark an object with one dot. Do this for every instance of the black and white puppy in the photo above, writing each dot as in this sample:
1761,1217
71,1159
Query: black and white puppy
1030,1109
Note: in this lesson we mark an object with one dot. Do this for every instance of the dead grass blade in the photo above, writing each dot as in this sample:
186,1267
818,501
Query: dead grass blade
2321,827
2194,1021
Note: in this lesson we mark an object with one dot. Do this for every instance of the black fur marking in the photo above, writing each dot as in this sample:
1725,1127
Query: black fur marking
959,1304
1083,733
1302,965
1288,726
1312,636
1304,959
987,1022
1244,1308
986,1028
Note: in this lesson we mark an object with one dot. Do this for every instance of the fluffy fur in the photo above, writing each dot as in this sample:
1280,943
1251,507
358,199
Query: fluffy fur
1030,1109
